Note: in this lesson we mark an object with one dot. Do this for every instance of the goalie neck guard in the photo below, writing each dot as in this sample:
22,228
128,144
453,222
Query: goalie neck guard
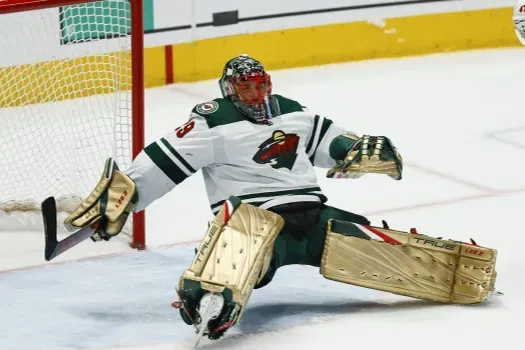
245,82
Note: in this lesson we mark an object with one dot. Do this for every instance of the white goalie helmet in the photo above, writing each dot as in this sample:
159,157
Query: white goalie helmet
519,20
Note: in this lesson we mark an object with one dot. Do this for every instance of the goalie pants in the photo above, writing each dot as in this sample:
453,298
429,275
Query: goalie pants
302,239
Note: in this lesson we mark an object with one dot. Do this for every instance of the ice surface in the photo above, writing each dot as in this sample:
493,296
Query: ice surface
458,121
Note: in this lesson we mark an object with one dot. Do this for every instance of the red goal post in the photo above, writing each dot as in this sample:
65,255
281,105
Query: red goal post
136,91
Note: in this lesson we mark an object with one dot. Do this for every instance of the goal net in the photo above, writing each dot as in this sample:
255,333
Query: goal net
65,102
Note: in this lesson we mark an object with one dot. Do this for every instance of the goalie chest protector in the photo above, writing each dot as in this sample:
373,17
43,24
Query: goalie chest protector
261,164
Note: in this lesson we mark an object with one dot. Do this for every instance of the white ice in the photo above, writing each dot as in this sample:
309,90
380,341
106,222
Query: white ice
457,120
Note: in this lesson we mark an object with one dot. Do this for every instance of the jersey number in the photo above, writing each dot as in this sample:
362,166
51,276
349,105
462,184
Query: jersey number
184,129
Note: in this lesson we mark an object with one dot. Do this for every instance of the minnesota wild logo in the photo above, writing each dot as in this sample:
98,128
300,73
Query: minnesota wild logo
280,151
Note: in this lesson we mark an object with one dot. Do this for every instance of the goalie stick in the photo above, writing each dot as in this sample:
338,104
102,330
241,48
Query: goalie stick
53,247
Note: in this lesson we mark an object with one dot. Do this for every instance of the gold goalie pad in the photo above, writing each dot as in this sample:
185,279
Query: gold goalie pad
236,250
413,265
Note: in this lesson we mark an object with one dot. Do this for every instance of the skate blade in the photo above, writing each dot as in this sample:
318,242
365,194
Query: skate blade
210,308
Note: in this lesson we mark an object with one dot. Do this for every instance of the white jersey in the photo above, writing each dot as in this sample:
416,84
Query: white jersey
261,164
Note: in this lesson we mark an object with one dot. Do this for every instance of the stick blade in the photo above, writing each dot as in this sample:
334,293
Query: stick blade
49,215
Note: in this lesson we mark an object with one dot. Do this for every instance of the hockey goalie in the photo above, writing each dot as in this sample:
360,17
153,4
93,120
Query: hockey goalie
257,152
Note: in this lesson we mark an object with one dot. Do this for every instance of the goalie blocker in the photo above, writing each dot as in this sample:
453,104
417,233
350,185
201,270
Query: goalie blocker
108,206
237,249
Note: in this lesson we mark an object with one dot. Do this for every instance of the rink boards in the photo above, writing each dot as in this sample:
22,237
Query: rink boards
184,44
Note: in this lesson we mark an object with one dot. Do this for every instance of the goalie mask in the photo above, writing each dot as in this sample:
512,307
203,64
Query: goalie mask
519,20
245,82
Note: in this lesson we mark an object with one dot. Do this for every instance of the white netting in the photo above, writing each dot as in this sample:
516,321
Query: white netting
65,104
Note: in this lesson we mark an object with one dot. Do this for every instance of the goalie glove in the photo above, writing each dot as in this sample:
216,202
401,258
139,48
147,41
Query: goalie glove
108,206
370,154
